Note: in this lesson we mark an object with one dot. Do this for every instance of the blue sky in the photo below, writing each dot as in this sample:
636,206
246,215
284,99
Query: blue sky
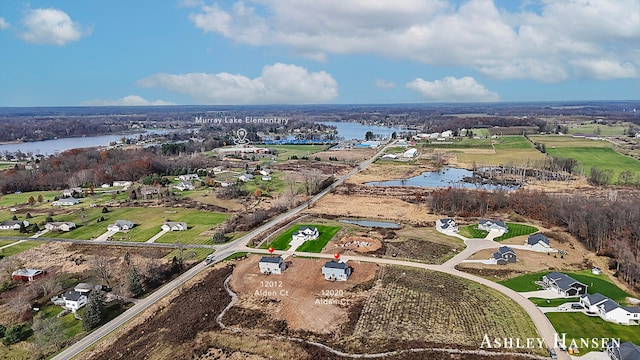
144,52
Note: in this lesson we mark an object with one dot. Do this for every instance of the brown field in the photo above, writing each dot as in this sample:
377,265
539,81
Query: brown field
382,172
347,155
297,290
372,207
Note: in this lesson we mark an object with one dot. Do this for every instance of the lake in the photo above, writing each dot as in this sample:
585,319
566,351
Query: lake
354,130
374,224
49,147
448,177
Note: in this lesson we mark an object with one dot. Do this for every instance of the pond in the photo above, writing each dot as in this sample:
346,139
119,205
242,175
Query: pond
367,223
447,177
354,130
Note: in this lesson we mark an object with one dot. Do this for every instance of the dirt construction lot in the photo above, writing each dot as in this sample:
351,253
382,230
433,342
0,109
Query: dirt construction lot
296,295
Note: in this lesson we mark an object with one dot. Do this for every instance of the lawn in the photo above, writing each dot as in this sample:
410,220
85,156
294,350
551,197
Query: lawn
552,302
23,198
472,232
24,246
596,283
148,222
287,151
275,185
316,246
579,325
283,240
517,230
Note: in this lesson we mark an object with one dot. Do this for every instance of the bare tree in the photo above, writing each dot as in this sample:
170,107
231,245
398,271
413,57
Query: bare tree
10,264
103,268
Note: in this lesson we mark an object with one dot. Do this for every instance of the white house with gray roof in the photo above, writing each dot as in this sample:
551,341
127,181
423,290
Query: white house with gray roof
505,255
174,226
538,242
121,225
13,224
564,284
488,225
74,300
446,225
306,233
610,310
272,265
69,201
336,271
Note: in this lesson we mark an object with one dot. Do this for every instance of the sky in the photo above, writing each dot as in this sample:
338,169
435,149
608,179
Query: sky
187,52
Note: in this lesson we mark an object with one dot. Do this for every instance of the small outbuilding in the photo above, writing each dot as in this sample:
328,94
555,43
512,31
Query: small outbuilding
27,274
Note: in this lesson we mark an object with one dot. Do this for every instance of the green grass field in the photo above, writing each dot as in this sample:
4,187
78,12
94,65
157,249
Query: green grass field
315,246
564,141
283,240
287,151
596,283
148,222
24,246
23,198
600,157
517,230
552,302
579,325
275,185
460,143
472,232
504,150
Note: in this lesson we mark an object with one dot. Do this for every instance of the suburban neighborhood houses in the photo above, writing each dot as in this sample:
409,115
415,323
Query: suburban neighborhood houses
60,226
272,265
610,310
563,284
13,224
336,271
505,255
488,225
121,225
538,242
446,224
174,226
306,233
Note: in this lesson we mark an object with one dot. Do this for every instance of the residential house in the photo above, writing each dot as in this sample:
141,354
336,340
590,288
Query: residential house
185,185
625,351
336,271
122,183
564,284
74,300
27,274
71,192
306,233
446,224
272,265
538,242
105,186
121,225
13,224
68,201
187,177
264,172
266,177
245,177
505,255
60,226
613,312
85,288
591,302
174,226
596,271
410,153
488,225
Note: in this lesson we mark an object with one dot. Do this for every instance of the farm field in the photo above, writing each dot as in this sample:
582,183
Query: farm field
501,151
579,325
411,305
287,151
600,157
601,129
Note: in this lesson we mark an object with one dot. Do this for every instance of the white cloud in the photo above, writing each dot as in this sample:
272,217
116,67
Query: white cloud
383,84
51,26
4,24
131,100
546,44
450,89
278,84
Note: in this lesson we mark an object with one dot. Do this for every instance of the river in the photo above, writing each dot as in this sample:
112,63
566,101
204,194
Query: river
50,147
354,130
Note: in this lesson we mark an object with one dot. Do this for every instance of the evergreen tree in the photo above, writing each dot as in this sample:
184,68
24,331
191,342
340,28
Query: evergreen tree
94,310
135,283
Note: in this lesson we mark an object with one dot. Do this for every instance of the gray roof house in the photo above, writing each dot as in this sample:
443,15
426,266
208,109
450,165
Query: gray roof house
610,310
625,351
564,284
13,224
591,302
121,225
336,271
174,226
538,241
505,255
66,202
488,225
446,224
74,300
306,233
272,265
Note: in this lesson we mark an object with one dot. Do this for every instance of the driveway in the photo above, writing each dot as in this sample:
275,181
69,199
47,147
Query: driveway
105,236
156,236
494,234
544,294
